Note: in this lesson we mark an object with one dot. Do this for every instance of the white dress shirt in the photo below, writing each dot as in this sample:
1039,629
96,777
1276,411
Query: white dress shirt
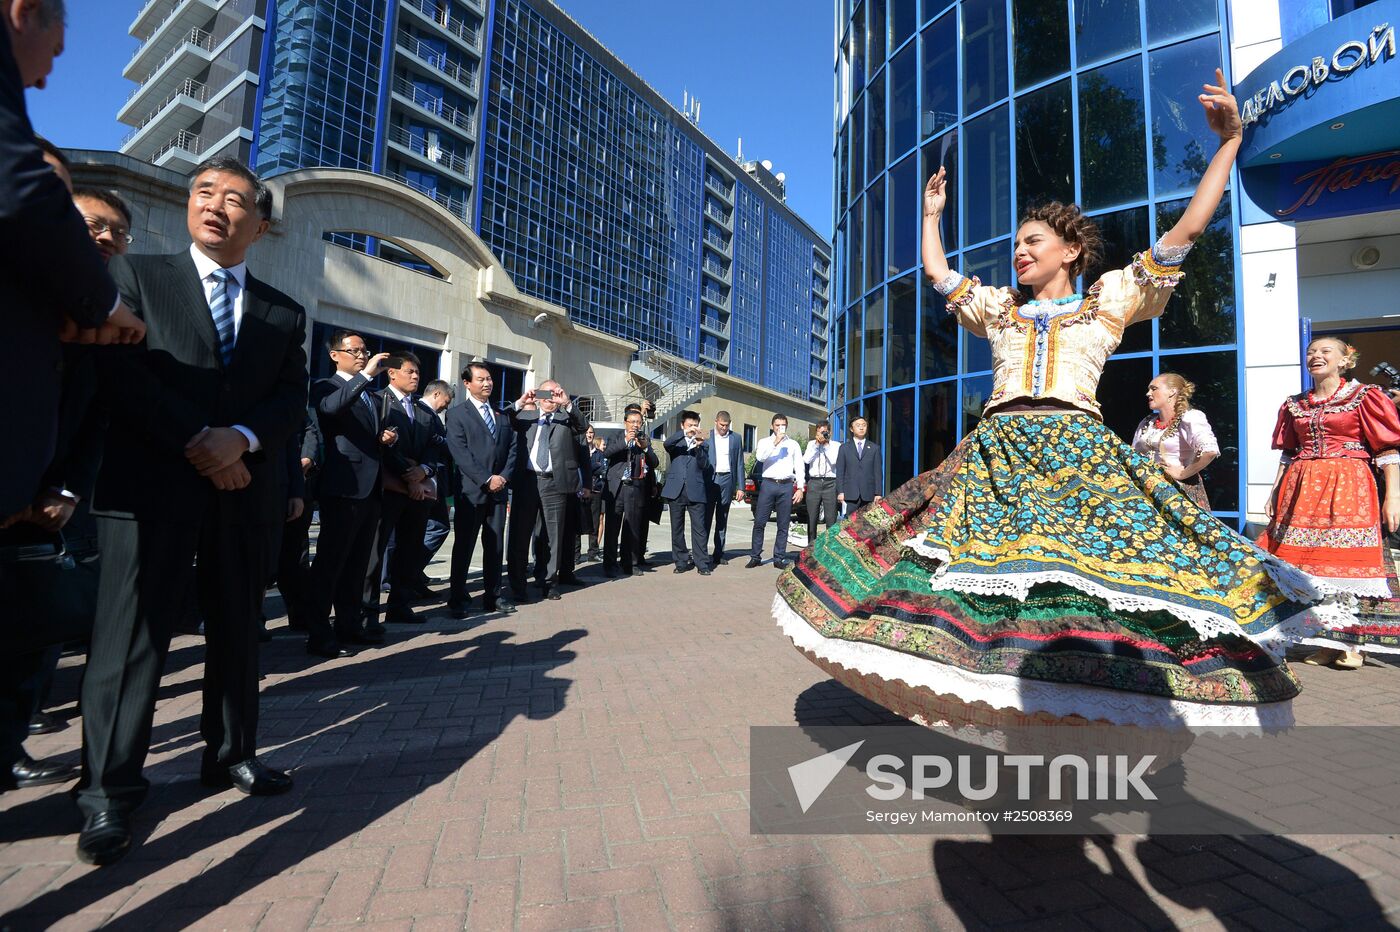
781,459
821,460
722,452
205,268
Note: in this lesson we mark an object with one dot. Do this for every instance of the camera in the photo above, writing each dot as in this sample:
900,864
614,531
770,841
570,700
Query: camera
1389,371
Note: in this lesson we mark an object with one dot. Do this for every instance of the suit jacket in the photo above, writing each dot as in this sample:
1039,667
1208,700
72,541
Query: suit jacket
859,478
686,476
618,453
477,454
350,434
736,458
162,392
309,448
415,444
51,270
563,447
294,483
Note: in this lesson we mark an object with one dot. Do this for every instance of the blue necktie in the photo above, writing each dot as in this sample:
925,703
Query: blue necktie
489,418
221,306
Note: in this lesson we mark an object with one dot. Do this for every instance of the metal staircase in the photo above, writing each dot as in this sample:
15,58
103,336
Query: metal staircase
669,383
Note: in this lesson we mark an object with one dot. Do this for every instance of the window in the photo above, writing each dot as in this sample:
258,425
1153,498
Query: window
904,100
904,323
905,214
748,438
1112,150
875,342
987,211
1201,311
984,50
1180,136
1103,28
1180,18
940,51
1041,40
1044,146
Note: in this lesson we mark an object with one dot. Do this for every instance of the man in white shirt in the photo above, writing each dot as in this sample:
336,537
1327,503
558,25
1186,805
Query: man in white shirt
724,482
778,459
820,462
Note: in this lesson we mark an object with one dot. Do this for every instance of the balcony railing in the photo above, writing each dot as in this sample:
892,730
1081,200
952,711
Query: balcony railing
456,205
436,106
712,211
185,140
197,37
439,60
155,30
186,88
717,298
719,186
717,241
716,269
440,15
435,154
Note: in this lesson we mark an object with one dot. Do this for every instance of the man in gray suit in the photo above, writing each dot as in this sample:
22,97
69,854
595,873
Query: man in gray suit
685,490
860,471
724,482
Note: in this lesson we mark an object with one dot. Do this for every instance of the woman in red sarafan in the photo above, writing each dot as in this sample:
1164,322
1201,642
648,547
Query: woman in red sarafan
1325,514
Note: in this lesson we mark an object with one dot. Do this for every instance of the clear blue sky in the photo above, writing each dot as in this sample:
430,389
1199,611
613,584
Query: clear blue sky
762,71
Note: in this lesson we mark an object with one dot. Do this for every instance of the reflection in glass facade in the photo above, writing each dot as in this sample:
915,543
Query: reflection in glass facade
1084,100
598,196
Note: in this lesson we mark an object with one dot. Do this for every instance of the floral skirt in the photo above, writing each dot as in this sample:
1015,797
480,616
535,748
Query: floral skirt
1045,570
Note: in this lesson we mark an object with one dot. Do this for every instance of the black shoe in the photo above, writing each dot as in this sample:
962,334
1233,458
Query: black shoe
552,595
403,617
29,772
571,580
505,606
105,837
251,777
683,567
458,611
718,560
417,593
644,564
331,651
704,572
782,564
45,724
753,561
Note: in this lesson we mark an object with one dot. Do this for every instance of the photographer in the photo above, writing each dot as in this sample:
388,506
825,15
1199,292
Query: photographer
631,475
820,460
685,490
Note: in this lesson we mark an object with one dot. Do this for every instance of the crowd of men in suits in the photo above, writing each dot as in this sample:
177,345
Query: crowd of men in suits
175,456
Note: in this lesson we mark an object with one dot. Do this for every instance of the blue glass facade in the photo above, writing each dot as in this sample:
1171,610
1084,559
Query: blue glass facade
600,197
1021,100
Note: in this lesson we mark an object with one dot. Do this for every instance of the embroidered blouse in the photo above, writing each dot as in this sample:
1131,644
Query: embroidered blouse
1181,446
1357,421
1055,351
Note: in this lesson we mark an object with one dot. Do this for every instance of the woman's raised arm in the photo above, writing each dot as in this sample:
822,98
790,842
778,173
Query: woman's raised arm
1223,117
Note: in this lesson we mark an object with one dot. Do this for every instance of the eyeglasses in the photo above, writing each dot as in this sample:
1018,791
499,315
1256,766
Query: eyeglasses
97,228
354,352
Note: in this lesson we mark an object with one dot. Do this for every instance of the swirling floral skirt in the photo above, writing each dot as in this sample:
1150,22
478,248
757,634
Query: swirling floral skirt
1045,569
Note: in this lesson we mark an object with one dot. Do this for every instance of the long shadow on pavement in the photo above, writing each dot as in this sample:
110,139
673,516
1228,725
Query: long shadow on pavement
337,793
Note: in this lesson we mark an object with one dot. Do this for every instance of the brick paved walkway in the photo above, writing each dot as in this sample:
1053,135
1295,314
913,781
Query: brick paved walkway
583,764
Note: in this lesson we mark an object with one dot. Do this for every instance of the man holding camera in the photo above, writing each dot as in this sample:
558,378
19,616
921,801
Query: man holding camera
685,490
631,476
820,461
544,486
778,460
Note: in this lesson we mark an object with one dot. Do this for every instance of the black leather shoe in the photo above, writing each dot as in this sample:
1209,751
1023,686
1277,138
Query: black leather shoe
644,564
29,772
505,606
719,561
45,724
782,564
683,567
404,617
251,776
705,572
552,595
105,837
329,651
753,561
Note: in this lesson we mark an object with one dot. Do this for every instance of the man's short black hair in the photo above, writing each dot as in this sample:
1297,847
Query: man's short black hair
262,194
397,360
777,418
475,364
54,152
860,417
110,198
823,424
690,416
338,337
631,408
439,385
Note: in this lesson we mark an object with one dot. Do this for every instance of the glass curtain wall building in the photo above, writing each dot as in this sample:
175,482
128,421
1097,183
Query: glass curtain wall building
600,196
1091,101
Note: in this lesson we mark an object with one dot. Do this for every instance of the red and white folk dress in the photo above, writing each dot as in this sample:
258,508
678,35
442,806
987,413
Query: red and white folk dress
1327,517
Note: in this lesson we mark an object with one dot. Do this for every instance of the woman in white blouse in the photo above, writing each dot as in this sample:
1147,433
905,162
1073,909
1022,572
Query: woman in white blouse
1177,436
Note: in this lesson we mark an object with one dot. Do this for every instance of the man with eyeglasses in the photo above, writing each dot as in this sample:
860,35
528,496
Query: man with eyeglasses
108,219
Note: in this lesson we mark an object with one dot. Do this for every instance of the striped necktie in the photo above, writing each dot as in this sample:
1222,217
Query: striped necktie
221,306
489,418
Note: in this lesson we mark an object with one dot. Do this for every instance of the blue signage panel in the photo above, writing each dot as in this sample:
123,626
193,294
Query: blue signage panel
1326,188
1334,92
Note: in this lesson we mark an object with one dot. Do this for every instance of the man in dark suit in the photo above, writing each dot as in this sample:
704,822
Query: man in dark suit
860,471
293,552
409,489
198,419
483,447
350,489
53,281
631,477
724,482
685,490
437,396
546,482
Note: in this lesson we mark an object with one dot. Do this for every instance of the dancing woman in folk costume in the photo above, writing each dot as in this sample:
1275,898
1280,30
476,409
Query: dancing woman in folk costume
1176,436
1323,509
1045,571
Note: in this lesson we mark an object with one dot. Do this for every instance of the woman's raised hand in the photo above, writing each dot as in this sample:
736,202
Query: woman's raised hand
936,193
1222,111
